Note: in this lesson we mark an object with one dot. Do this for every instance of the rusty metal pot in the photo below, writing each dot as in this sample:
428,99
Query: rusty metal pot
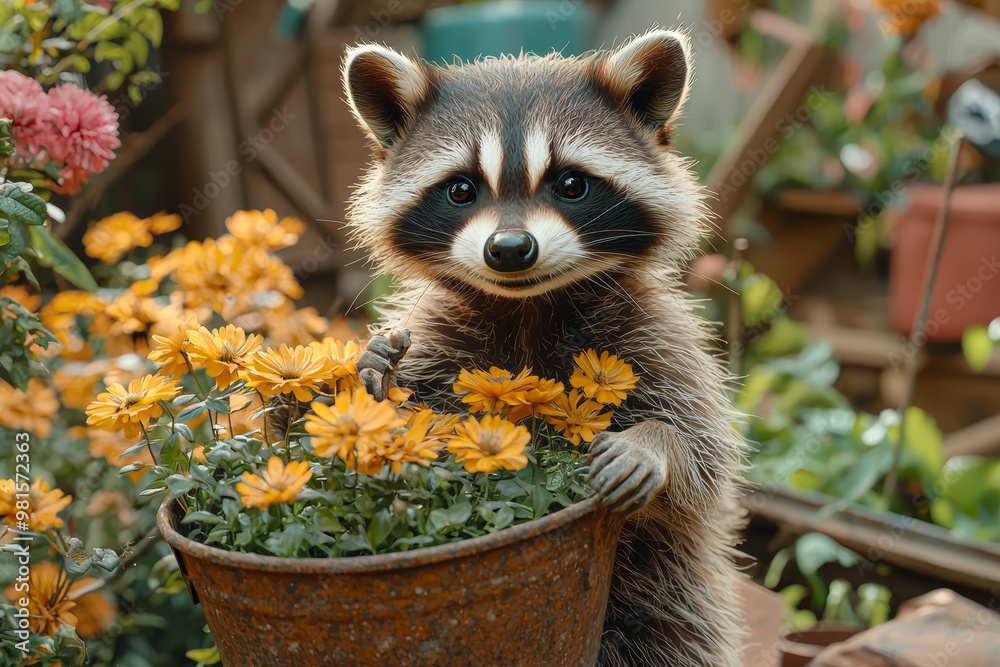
533,594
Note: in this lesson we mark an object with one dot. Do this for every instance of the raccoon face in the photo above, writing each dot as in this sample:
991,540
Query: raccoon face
518,176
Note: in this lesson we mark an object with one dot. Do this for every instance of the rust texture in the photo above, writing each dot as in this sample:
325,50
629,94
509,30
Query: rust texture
534,594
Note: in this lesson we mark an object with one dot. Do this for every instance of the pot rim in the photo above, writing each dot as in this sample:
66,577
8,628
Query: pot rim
167,515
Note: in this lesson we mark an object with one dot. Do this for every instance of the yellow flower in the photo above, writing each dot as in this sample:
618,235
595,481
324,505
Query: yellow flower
112,237
132,313
340,355
94,614
418,443
48,599
354,423
212,272
161,223
578,421
23,296
496,391
262,228
44,505
77,383
286,324
287,370
74,302
490,444
538,400
129,409
906,16
604,378
109,446
32,411
169,349
224,352
279,484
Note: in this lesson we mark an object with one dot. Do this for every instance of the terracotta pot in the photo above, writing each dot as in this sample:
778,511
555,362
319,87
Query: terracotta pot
968,283
533,594
798,648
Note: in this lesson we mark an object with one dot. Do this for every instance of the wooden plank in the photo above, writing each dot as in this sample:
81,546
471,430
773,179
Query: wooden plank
771,114
980,439
881,537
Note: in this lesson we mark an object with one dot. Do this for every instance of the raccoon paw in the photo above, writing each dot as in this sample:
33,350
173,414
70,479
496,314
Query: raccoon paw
380,357
624,474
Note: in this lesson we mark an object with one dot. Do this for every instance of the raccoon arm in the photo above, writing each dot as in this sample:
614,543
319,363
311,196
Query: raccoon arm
630,468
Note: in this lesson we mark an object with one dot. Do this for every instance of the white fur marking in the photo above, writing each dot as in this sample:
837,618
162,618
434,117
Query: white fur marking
536,156
491,158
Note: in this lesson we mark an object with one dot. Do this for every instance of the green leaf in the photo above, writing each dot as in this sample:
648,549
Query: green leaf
217,405
814,550
179,485
204,656
50,251
190,412
204,517
115,80
19,203
379,528
977,346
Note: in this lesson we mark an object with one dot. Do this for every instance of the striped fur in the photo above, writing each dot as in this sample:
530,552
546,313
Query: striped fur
607,277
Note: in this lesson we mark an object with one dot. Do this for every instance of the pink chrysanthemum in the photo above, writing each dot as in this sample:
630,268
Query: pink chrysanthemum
82,129
24,101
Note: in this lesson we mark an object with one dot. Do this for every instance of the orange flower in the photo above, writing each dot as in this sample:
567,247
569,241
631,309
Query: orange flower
77,383
212,272
23,296
490,444
578,421
169,349
496,391
279,484
44,505
161,223
94,614
538,401
223,352
906,16
287,370
48,601
286,324
354,423
112,237
416,444
32,411
341,356
262,228
604,378
129,409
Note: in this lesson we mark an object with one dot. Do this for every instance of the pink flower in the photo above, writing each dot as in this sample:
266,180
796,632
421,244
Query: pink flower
24,101
81,129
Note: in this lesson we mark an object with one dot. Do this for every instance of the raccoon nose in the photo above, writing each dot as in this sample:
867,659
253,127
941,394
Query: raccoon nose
511,250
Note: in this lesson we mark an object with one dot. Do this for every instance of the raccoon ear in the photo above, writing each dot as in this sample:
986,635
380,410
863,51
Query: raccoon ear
649,76
384,89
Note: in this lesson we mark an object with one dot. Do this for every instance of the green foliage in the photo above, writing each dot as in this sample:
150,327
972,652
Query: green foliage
341,512
47,39
979,342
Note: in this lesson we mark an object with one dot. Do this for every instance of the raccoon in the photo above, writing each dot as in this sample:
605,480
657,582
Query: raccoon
532,208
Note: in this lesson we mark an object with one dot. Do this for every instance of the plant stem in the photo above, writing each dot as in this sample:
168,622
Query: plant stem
149,445
187,360
917,336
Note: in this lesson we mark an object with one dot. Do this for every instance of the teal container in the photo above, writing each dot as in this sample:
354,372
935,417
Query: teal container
506,27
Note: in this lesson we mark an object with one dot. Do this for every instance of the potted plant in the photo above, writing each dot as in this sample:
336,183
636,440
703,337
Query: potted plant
365,529
399,533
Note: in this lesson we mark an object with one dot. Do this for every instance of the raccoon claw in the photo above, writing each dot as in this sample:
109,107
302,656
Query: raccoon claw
380,357
624,476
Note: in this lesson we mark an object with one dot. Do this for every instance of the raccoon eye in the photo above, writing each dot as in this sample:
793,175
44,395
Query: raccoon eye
461,191
571,185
